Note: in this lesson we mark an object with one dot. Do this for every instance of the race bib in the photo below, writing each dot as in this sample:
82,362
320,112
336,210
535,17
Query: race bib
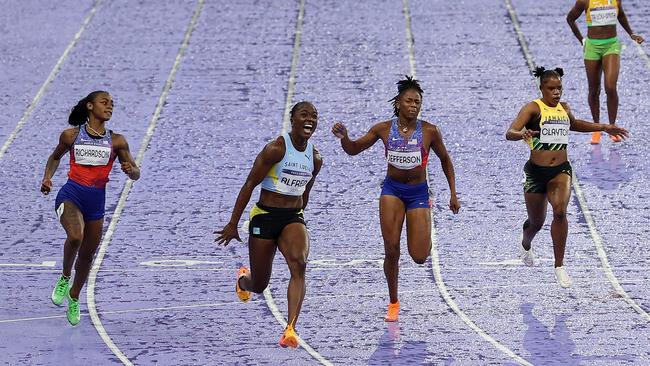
293,182
92,155
404,159
554,132
603,16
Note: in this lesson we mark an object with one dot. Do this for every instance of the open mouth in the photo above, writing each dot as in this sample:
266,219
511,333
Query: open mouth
308,128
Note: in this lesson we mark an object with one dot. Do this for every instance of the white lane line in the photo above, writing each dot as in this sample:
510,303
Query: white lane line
520,36
285,126
50,78
92,278
410,42
487,267
294,67
379,294
602,254
435,261
643,54
582,202
42,264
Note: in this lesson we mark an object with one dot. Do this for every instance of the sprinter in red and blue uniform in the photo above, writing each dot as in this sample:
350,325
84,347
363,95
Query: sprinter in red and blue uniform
80,202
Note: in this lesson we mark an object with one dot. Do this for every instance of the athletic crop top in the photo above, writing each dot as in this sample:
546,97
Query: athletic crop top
406,152
291,174
602,12
91,158
553,127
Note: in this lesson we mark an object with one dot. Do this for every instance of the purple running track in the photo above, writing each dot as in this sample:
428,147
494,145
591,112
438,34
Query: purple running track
165,292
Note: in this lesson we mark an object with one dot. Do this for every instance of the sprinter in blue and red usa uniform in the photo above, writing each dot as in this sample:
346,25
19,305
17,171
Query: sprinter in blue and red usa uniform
405,192
80,202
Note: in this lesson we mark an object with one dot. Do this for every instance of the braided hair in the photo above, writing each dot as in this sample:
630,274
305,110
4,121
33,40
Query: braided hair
79,113
402,86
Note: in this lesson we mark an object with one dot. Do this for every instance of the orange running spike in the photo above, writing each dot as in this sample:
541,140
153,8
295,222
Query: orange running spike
243,295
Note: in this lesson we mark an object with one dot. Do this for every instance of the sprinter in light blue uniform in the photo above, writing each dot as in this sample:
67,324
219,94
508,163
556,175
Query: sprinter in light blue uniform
286,168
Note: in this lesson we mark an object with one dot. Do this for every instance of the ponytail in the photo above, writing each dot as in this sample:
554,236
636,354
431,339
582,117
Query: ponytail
79,113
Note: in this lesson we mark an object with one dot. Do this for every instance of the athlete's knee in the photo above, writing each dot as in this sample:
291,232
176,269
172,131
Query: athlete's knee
420,258
392,252
594,91
559,214
259,285
74,239
297,267
610,89
534,225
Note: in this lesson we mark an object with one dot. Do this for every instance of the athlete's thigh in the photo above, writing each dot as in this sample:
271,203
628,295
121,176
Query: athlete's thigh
261,253
559,190
418,229
72,220
594,69
611,68
294,242
391,217
536,205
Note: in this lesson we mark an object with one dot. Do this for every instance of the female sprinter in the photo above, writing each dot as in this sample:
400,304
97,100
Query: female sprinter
405,192
80,202
287,168
544,124
602,51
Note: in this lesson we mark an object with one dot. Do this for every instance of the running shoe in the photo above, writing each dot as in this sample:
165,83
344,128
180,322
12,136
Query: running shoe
527,256
289,338
74,314
595,138
243,295
562,277
60,290
393,310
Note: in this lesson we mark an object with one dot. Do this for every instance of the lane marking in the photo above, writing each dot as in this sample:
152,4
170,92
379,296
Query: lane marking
582,202
489,266
92,278
643,54
435,263
520,36
43,264
50,78
268,296
378,294
177,263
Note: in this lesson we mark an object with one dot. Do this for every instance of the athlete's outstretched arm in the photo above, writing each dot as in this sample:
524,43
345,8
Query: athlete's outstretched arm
622,18
573,15
579,125
318,163
438,146
516,131
353,147
127,163
65,142
270,155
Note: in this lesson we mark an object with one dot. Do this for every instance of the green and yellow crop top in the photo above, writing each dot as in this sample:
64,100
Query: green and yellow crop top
553,127
602,12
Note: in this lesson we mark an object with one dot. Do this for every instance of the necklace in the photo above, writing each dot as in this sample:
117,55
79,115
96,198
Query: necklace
96,133
404,129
